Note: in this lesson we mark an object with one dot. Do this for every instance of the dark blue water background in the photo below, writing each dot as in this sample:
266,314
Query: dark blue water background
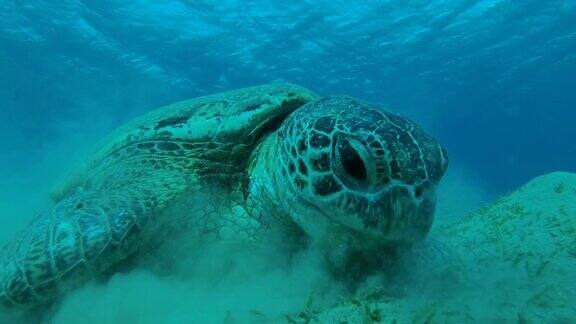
495,81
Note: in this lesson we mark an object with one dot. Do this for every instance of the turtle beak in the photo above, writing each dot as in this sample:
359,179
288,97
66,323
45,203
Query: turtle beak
399,216
396,216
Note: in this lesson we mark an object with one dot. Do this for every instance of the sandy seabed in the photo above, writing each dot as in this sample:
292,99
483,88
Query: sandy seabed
511,261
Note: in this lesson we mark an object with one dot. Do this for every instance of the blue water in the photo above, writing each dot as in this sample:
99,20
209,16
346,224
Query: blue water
493,80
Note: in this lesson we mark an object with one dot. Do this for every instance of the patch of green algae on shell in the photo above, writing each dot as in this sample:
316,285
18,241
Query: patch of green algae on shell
513,261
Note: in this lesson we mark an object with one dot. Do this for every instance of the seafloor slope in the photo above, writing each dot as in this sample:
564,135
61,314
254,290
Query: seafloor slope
513,261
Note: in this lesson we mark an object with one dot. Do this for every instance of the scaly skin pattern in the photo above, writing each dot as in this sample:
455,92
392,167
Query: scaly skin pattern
115,204
346,170
244,165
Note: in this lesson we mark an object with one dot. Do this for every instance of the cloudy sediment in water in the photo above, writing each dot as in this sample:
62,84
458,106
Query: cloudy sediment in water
491,80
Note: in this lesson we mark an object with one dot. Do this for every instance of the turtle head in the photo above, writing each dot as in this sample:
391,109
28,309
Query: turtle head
360,166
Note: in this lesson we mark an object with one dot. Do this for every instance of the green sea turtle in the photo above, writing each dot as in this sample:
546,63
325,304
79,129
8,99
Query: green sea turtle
266,159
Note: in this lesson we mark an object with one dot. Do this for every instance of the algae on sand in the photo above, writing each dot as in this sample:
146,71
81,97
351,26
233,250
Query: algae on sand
513,261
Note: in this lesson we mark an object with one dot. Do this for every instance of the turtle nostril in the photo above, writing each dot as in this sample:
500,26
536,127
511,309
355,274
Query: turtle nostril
419,191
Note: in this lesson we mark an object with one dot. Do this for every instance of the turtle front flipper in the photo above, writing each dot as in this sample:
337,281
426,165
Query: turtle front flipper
142,169
83,236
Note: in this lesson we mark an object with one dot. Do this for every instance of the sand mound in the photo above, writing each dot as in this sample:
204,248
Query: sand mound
513,261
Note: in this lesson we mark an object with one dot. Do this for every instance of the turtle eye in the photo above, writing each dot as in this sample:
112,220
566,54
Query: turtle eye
352,162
